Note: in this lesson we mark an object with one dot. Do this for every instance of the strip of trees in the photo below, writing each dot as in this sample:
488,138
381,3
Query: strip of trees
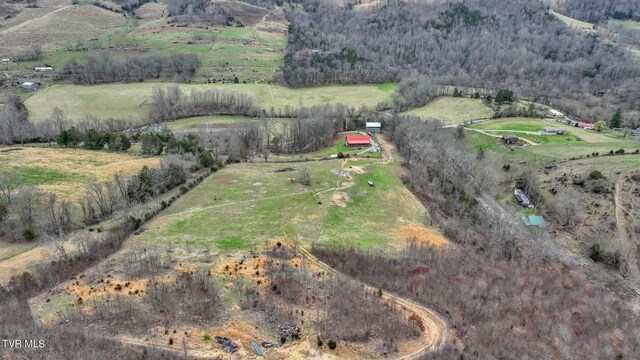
102,67
201,11
599,11
172,103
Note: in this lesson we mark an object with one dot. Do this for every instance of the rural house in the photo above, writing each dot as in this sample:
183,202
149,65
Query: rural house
521,197
557,131
509,139
6,61
587,126
43,68
373,127
29,86
357,140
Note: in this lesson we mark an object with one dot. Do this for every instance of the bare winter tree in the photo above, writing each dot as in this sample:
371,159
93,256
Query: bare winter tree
60,120
566,206
8,184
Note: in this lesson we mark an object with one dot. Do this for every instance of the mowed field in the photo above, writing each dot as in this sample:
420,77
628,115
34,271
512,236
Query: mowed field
552,147
245,205
452,110
131,101
66,172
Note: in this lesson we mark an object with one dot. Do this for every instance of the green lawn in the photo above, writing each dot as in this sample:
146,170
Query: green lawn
339,145
453,110
189,122
629,24
245,205
131,101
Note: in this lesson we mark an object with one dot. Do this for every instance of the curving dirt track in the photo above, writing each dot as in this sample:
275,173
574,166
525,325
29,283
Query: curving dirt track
435,333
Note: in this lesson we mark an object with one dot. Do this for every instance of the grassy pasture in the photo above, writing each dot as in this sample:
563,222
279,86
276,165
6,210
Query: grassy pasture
245,205
453,110
131,101
199,120
629,24
65,172
58,26
553,147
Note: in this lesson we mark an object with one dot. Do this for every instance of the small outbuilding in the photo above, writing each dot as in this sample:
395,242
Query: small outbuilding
509,139
6,61
43,68
521,197
556,113
533,220
357,140
29,86
556,131
373,127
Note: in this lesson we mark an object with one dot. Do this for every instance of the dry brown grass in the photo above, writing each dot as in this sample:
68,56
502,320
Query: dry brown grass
88,165
421,234
56,27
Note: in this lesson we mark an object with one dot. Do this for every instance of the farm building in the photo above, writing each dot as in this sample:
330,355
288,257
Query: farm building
43,68
509,139
557,131
585,125
6,61
556,113
599,92
357,140
374,127
533,220
521,197
29,86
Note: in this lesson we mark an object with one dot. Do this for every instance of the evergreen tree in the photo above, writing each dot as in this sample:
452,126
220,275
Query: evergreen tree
616,119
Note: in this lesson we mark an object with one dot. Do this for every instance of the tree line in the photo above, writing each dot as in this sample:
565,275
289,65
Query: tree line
482,44
201,11
599,11
102,67
172,103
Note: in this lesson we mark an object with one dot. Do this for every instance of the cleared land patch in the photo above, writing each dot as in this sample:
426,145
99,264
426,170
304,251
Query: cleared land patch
131,101
245,205
554,147
65,172
453,110
571,22
60,27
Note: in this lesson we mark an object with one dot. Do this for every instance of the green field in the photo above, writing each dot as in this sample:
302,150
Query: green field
553,147
199,120
131,101
453,110
245,205
629,24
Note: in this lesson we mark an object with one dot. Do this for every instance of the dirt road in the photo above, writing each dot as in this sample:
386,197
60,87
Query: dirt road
435,333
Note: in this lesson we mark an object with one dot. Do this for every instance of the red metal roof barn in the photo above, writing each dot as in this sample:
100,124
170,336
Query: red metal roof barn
358,140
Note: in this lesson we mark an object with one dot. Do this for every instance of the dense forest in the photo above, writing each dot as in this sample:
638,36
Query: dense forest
599,10
483,44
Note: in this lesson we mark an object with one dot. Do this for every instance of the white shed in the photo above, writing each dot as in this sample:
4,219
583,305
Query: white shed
373,126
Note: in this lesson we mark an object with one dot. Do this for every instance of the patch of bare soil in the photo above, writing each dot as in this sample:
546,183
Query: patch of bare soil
422,234
340,199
